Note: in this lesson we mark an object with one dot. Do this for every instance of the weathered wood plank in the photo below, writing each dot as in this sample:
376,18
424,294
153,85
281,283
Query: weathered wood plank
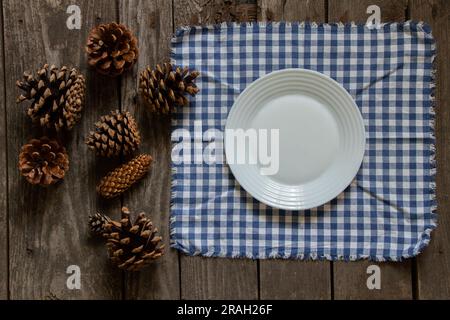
218,278
3,182
246,10
350,278
215,278
151,21
48,227
433,266
295,280
199,12
301,280
291,10
355,10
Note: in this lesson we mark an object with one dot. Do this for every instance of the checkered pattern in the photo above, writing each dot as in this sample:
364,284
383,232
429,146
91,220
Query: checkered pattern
388,211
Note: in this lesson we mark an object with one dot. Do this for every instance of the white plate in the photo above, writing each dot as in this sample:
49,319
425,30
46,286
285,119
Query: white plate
321,138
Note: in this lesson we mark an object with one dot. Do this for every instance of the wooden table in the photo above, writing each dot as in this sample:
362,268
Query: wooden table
43,231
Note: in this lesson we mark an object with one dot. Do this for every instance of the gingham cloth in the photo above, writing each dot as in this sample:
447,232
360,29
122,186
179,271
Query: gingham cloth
388,211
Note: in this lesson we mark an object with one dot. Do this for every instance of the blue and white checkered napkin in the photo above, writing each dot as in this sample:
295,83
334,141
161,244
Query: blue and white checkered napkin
387,213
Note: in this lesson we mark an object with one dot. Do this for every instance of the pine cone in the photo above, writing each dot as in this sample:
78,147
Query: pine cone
122,178
112,49
43,161
97,223
115,134
164,88
57,96
132,245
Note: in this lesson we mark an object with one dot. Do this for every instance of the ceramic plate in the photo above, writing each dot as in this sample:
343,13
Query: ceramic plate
308,124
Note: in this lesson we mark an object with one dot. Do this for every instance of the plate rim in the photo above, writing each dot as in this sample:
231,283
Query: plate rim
355,107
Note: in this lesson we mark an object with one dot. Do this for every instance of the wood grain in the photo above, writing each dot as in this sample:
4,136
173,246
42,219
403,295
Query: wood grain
350,278
201,12
218,278
4,172
355,10
214,278
151,21
299,279
292,10
48,227
433,267
295,280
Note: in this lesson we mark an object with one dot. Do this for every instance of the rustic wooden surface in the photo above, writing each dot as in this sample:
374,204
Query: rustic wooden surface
292,10
44,230
4,182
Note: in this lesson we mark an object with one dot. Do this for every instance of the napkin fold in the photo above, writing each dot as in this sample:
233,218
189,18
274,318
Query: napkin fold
388,211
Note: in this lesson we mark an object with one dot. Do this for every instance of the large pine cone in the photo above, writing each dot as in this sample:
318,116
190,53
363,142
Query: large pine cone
132,245
111,49
122,178
56,95
164,88
43,161
115,134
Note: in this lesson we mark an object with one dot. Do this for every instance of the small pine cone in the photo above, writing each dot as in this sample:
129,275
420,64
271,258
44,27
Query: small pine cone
122,178
111,48
57,96
115,134
164,88
131,246
43,161
97,223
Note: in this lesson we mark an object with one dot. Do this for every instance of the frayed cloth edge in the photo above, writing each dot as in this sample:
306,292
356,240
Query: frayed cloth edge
182,30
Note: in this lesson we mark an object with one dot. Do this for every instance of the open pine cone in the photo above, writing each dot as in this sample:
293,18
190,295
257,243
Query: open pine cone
164,88
131,246
115,134
111,49
43,161
122,178
56,95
